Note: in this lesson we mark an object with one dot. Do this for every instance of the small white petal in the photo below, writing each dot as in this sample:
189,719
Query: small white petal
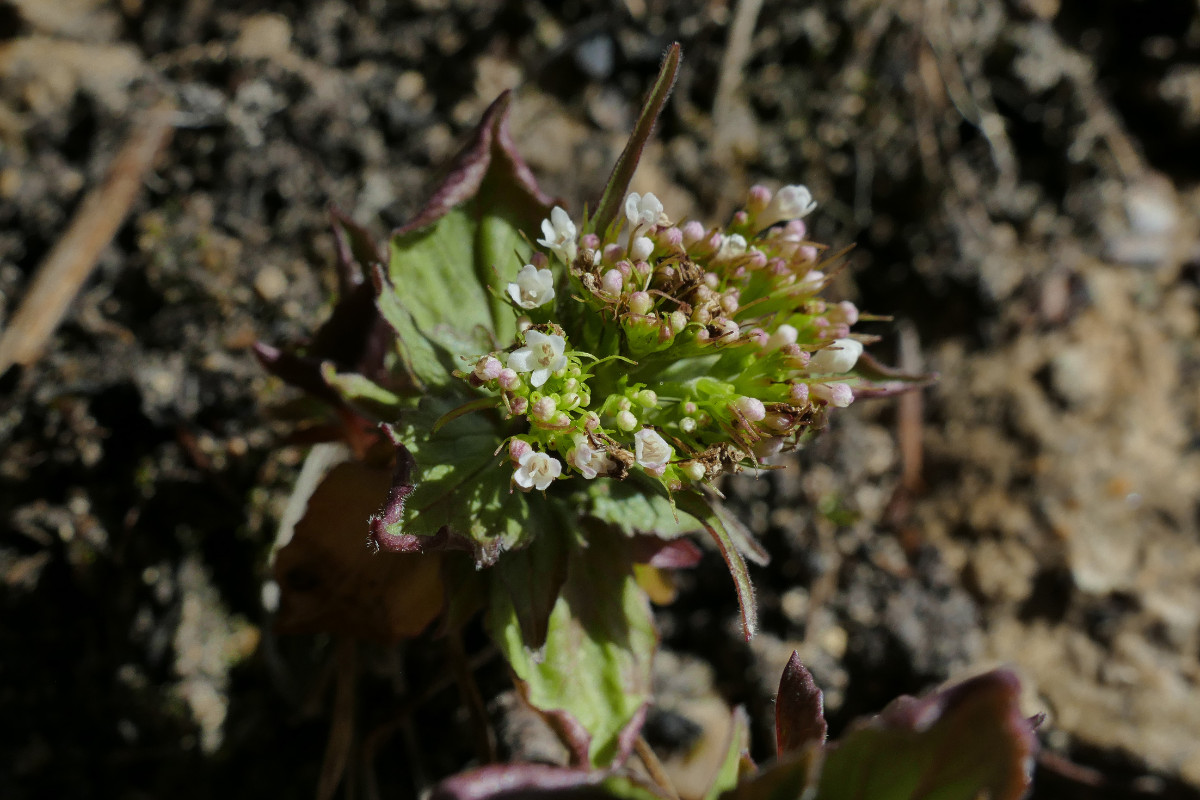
651,450
539,377
642,248
520,360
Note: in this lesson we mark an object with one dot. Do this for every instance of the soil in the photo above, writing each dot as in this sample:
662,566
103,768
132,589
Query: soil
1021,183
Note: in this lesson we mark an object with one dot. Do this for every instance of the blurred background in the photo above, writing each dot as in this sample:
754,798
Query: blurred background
1019,180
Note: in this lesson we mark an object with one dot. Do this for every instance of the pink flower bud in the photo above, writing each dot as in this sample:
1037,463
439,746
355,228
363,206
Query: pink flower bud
539,259
729,301
758,336
757,259
641,269
765,448
838,395
488,368
625,268
518,404
758,199
844,311
590,241
640,303
798,395
613,253
808,252
612,282
544,409
715,241
741,218
712,280
671,238
508,378
692,232
750,407
518,448
795,230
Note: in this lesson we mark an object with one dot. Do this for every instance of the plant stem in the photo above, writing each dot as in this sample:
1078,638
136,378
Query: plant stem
657,773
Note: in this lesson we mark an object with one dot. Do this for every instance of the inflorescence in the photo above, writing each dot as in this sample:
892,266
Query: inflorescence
676,350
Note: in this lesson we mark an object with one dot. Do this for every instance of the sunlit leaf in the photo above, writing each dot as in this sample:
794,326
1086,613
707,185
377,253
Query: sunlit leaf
592,677
962,743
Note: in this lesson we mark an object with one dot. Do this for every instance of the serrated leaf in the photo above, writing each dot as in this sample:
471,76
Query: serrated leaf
962,743
454,485
699,508
799,709
467,239
737,756
592,678
429,365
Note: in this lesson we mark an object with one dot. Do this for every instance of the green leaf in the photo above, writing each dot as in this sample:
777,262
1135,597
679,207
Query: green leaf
362,394
699,508
459,483
429,365
635,508
965,742
530,580
618,182
737,755
592,678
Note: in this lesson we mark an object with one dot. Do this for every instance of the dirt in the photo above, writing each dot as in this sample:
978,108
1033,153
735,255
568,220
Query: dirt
1021,184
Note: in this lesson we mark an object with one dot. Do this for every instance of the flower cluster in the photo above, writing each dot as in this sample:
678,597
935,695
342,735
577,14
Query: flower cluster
672,349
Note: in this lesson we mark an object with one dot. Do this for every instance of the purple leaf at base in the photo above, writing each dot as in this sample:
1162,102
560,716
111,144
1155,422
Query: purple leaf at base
799,709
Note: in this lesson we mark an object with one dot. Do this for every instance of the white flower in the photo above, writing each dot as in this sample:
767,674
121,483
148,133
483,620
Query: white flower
839,357
784,334
732,246
534,287
536,470
588,460
560,233
789,203
651,451
541,356
643,210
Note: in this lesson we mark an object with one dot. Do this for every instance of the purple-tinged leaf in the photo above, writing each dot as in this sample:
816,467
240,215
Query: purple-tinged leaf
740,535
618,183
699,508
880,380
799,709
967,741
491,148
356,251
541,782
665,553
386,525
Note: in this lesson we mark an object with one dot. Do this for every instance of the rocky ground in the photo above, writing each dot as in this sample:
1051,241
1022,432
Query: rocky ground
1021,183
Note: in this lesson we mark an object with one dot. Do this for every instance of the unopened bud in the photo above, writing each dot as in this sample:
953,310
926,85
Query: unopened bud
687,425
523,323
612,282
844,312
729,302
539,259
488,368
702,315
518,448
839,357
625,268
641,249
544,409
671,237
756,260
647,398
724,329
692,232
758,199
838,395
678,321
750,407
784,335
589,241
570,401
640,303
694,470
613,253
765,448
518,404
626,421
508,379
798,394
